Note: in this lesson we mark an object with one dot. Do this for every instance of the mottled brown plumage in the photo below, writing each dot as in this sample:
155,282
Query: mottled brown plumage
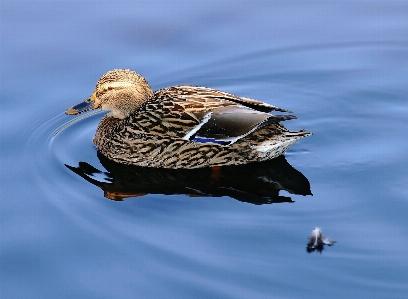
183,126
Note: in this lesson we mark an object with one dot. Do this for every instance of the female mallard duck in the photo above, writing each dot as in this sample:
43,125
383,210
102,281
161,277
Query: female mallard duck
183,126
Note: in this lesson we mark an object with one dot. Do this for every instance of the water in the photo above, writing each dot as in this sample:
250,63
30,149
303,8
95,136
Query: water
341,67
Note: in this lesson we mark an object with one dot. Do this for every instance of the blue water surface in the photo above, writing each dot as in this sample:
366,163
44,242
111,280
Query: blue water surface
342,67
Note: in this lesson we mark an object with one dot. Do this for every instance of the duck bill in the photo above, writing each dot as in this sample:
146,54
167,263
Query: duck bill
87,105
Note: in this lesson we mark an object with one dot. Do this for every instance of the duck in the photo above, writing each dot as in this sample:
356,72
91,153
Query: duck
183,126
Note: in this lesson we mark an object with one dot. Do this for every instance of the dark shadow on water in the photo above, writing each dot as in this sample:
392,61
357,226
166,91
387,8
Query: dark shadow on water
256,183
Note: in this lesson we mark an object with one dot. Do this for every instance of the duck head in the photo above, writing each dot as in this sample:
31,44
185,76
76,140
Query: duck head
120,91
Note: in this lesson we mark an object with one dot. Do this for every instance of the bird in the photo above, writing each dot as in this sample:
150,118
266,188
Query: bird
183,126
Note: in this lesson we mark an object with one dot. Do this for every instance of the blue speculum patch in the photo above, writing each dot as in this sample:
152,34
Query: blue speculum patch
212,140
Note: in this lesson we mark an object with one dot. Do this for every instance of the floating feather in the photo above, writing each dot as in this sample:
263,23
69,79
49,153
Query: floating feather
317,241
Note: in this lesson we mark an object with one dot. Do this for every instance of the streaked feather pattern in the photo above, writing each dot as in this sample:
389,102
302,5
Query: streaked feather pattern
185,126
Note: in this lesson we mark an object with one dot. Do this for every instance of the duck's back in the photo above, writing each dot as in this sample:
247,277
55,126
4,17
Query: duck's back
190,127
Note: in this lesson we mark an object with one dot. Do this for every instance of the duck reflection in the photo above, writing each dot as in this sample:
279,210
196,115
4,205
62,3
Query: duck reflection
256,183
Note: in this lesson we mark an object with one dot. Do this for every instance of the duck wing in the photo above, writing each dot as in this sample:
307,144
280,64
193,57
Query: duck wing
190,92
226,125
204,115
